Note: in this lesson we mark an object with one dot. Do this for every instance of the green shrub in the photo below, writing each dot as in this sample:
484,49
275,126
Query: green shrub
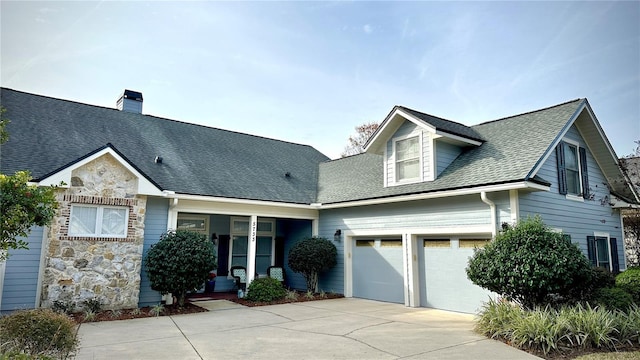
62,306
589,326
629,281
310,257
496,319
602,278
39,332
628,325
180,262
93,305
538,330
613,299
265,290
532,265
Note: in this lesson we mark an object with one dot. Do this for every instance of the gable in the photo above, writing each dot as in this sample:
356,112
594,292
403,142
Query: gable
455,132
584,129
107,172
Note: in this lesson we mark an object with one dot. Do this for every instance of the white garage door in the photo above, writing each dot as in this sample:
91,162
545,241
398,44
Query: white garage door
377,270
444,284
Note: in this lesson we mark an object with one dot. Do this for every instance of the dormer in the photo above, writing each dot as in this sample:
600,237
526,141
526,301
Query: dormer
417,147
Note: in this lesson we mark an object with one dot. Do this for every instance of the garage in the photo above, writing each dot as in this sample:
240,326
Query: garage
443,279
377,269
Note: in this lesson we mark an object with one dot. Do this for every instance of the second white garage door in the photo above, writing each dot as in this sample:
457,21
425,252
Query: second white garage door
443,278
377,270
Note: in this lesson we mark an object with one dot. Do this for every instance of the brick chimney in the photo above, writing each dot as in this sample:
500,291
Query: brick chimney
130,101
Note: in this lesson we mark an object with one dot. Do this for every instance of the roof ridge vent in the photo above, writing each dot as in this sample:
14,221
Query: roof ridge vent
130,101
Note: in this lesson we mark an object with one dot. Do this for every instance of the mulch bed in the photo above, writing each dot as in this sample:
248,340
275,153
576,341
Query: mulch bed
167,310
576,352
189,307
302,297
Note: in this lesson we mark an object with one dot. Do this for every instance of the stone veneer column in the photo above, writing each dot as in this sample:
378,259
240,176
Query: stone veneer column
82,268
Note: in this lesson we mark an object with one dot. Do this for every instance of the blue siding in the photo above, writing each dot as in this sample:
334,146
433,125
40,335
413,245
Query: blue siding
445,154
155,224
294,231
435,213
576,218
21,274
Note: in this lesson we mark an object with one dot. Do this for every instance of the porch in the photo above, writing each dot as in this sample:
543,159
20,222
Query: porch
252,235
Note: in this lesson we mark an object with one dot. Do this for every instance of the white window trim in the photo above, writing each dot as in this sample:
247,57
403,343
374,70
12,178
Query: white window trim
271,233
98,228
603,235
420,156
575,197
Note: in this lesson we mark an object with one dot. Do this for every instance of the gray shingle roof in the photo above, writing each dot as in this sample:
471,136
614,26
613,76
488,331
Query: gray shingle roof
512,148
47,134
449,126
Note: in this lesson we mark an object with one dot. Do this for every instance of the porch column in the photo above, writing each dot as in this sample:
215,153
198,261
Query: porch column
251,250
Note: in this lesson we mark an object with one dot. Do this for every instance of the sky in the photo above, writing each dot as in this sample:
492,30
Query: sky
310,72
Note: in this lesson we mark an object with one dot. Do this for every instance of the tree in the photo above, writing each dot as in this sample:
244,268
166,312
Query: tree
180,262
21,205
310,257
631,216
532,265
357,141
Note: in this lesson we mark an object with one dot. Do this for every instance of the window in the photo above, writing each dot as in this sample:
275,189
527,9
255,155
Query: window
98,221
437,243
572,170
265,244
603,252
197,223
407,153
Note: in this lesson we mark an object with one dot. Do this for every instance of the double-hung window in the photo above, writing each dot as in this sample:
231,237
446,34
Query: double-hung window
603,252
573,179
407,159
98,221
265,244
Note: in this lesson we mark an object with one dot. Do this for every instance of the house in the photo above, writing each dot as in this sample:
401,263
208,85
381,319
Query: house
405,215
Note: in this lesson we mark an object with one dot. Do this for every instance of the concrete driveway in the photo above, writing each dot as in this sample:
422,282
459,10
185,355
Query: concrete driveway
327,329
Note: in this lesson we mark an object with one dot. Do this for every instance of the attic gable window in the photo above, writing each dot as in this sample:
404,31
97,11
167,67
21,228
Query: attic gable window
573,179
407,153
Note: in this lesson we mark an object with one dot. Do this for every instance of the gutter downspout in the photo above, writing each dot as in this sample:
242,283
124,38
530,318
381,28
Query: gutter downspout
492,207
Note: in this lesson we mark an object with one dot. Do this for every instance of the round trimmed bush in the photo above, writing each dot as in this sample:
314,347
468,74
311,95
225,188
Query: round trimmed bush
629,281
39,333
265,290
310,257
533,265
613,299
180,262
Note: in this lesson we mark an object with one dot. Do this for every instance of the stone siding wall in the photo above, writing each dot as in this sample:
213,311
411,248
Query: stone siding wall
103,268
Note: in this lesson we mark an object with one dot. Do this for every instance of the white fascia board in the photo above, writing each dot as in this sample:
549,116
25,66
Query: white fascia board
375,139
243,207
458,138
145,187
440,194
430,230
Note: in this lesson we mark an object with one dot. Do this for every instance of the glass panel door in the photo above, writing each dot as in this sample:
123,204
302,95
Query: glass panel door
263,253
239,251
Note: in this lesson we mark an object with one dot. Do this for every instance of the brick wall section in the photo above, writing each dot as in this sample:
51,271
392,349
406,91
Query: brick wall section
81,268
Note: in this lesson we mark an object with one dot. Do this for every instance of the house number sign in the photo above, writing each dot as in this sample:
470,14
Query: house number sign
254,227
